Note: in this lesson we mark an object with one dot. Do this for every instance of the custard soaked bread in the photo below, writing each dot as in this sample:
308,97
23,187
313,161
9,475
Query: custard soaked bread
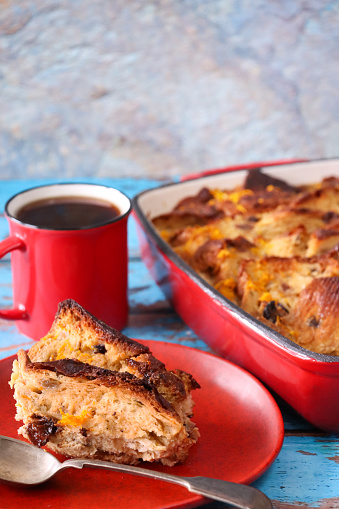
86,390
263,245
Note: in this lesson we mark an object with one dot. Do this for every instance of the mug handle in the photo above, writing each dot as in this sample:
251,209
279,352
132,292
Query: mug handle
7,245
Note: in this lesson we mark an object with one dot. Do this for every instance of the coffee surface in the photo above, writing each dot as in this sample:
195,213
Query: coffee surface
68,213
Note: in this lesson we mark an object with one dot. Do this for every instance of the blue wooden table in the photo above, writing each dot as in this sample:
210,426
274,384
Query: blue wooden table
306,472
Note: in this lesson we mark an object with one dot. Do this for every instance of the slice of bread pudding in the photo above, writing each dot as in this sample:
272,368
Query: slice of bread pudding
86,390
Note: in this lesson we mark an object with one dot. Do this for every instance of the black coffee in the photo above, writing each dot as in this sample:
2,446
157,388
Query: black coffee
68,213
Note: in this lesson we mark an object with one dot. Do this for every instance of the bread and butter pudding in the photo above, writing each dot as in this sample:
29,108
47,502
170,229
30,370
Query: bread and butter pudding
270,248
87,390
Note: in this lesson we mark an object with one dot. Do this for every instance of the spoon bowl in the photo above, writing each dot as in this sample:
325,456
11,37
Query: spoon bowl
23,463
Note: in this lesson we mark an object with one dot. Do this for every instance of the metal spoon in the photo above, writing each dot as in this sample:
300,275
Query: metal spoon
24,463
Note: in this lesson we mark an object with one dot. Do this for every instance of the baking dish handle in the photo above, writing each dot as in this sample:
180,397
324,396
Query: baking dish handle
244,166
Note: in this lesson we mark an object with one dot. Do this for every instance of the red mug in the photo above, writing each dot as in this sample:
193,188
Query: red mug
87,264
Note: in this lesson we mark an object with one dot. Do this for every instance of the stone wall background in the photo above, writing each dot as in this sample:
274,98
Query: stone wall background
143,88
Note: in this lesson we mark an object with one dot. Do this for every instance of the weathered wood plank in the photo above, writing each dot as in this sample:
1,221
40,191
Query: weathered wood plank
305,474
144,295
11,340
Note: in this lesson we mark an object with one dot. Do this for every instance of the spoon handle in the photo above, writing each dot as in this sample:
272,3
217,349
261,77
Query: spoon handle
236,495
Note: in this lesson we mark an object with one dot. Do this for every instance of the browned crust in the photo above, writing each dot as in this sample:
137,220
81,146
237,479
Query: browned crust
263,200
195,214
131,356
290,210
206,256
313,195
256,180
173,385
102,330
281,264
289,237
323,234
189,381
314,318
320,299
330,181
80,370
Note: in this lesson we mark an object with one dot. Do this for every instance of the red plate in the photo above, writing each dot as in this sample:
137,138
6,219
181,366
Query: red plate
241,434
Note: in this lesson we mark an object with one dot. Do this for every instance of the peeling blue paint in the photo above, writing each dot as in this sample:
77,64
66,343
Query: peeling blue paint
299,478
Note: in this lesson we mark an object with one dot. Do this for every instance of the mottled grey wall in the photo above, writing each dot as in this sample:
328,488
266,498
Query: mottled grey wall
142,88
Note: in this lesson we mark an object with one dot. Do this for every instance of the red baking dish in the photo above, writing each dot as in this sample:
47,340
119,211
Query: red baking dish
308,381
